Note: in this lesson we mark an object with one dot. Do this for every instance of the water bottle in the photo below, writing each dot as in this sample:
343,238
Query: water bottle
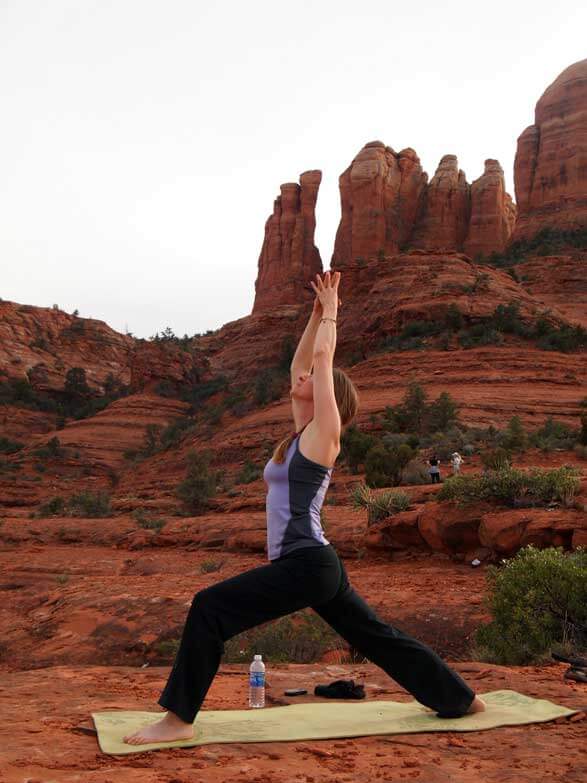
257,682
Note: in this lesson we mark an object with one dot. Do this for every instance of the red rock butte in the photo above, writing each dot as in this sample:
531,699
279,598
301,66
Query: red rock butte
388,204
550,168
288,256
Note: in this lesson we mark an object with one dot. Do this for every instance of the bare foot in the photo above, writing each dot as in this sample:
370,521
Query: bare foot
477,705
169,729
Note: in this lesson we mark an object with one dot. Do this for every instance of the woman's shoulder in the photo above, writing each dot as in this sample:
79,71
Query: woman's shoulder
317,448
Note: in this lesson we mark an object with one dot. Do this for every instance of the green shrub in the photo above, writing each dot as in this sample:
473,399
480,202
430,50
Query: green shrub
51,449
496,459
415,473
76,385
81,504
538,600
166,648
384,466
209,566
545,242
250,472
269,385
553,435
354,447
565,338
416,415
453,318
480,334
89,504
199,485
511,487
515,437
8,446
148,521
197,393
443,413
20,393
379,506
52,508
299,638
9,467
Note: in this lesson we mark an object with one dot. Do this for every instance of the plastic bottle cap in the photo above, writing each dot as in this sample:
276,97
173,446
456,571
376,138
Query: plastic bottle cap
258,658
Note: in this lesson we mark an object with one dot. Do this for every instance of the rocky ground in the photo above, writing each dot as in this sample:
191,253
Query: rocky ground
80,623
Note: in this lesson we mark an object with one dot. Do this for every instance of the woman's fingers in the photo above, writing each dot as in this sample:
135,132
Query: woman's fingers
331,280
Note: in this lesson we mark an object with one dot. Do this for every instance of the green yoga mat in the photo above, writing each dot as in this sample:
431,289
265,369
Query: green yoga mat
324,721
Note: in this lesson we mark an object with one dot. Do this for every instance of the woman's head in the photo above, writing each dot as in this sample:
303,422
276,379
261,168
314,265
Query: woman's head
345,394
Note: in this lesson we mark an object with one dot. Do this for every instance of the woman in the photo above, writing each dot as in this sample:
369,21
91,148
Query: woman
304,569
456,461
434,469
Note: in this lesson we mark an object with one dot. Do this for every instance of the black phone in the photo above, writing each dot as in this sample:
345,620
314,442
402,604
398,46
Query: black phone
295,691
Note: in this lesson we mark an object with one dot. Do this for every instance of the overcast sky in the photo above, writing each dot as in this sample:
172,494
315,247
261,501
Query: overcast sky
142,142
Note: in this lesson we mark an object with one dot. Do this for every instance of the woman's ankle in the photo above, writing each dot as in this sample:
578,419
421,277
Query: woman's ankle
173,718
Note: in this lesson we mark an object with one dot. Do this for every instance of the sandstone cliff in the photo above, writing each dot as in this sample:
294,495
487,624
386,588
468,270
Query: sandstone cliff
493,213
380,197
388,204
288,256
40,344
550,168
445,218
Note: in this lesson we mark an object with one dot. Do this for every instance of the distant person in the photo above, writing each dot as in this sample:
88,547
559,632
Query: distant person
304,568
434,469
456,461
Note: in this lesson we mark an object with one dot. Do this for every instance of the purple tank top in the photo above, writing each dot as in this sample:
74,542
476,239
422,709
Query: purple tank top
295,493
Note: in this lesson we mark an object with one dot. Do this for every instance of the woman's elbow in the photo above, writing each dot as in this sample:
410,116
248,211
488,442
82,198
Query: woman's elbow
323,355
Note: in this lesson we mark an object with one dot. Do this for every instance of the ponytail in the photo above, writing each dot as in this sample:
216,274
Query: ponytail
282,447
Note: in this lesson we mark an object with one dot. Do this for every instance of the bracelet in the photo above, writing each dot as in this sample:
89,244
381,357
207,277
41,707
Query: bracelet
328,319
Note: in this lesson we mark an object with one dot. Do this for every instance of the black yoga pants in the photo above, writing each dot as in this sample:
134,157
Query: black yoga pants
313,577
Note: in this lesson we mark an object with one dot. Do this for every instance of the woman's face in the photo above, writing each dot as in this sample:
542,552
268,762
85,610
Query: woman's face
303,388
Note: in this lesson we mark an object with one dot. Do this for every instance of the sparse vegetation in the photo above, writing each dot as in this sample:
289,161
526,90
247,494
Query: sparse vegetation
496,459
547,241
199,485
514,487
416,415
384,464
81,504
148,521
50,450
210,566
8,446
538,600
379,505
250,472
302,637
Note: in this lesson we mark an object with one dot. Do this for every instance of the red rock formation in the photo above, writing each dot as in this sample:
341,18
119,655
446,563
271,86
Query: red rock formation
289,258
386,203
559,282
550,168
41,344
493,213
380,194
446,210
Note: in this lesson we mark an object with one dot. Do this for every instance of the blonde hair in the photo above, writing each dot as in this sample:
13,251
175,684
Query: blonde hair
347,402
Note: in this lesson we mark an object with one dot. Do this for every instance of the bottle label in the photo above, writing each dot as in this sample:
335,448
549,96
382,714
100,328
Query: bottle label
257,679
